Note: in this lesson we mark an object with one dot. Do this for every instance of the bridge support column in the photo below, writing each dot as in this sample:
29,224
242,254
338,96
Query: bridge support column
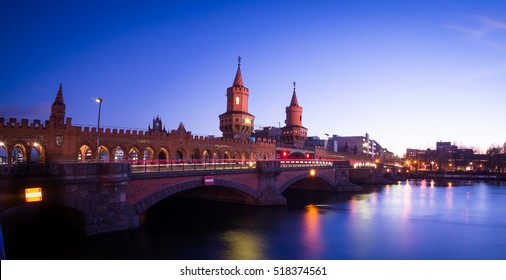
342,179
269,193
110,211
98,190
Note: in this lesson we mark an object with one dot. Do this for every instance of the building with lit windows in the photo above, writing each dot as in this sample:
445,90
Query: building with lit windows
355,146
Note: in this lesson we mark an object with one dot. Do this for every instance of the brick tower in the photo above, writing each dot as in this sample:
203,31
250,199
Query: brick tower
236,122
294,134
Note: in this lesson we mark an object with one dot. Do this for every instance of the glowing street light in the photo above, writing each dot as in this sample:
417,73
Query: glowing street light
99,101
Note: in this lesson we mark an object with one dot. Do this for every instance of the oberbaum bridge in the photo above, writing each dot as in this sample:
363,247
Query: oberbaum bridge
110,177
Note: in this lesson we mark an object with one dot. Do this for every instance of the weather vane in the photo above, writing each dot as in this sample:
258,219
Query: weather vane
239,60
293,85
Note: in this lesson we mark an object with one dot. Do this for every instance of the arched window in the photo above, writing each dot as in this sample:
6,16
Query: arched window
237,100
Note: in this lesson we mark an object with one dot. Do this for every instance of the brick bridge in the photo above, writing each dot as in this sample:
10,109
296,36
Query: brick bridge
113,196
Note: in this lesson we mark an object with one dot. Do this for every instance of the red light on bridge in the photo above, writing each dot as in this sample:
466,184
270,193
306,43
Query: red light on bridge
307,155
33,194
285,154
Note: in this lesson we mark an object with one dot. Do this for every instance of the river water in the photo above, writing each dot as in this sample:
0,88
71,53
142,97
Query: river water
408,220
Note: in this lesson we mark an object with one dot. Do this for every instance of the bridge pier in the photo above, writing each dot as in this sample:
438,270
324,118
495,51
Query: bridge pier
98,190
268,190
109,211
342,181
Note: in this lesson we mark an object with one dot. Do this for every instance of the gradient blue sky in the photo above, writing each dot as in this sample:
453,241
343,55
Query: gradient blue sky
410,73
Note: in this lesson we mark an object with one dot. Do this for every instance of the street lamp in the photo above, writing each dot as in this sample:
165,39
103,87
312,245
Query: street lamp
99,101
249,122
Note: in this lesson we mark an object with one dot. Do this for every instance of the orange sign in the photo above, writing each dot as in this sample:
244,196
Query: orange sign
33,194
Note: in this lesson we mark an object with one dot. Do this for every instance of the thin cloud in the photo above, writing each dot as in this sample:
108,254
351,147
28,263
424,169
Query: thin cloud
482,30
474,33
496,24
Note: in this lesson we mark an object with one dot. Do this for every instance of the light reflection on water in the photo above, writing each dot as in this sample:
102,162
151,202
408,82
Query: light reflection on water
311,228
242,245
408,220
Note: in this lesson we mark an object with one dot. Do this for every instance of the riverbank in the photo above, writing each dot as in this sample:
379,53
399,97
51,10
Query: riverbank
485,176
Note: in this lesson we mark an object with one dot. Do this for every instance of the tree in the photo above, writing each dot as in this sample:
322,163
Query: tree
495,150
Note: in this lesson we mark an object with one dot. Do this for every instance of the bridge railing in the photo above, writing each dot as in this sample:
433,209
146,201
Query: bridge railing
142,166
290,163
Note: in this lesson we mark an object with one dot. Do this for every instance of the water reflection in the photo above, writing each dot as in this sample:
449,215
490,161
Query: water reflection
243,245
311,229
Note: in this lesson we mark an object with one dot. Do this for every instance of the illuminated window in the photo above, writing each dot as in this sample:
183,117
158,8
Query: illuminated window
237,100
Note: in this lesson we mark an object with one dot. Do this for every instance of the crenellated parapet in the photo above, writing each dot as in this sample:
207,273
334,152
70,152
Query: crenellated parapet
13,123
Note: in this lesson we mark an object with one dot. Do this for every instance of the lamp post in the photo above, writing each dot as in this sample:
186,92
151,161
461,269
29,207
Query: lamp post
249,122
99,101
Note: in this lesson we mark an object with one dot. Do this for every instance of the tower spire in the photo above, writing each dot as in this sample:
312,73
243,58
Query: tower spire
58,108
238,76
59,95
294,134
294,102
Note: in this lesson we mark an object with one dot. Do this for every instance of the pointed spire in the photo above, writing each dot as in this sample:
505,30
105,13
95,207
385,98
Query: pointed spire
294,102
238,76
58,109
59,96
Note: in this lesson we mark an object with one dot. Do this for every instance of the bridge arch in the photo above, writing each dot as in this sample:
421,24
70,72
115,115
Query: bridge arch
105,153
134,153
297,155
236,155
84,152
148,153
216,156
195,154
119,153
37,152
163,154
145,203
180,154
18,153
4,158
300,177
226,155
206,155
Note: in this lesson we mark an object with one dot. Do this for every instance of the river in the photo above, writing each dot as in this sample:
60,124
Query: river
414,220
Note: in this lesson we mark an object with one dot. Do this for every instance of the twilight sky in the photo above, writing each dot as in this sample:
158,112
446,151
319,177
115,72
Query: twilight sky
410,73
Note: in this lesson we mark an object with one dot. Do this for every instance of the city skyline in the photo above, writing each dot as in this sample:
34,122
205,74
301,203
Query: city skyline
409,74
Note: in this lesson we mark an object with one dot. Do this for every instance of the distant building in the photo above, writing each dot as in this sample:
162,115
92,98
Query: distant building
315,141
157,126
450,157
269,132
355,145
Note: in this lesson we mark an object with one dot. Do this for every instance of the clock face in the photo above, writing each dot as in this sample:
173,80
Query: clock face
157,124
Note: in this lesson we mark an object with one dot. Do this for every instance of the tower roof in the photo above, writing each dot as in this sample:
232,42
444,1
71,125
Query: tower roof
238,76
294,102
59,96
